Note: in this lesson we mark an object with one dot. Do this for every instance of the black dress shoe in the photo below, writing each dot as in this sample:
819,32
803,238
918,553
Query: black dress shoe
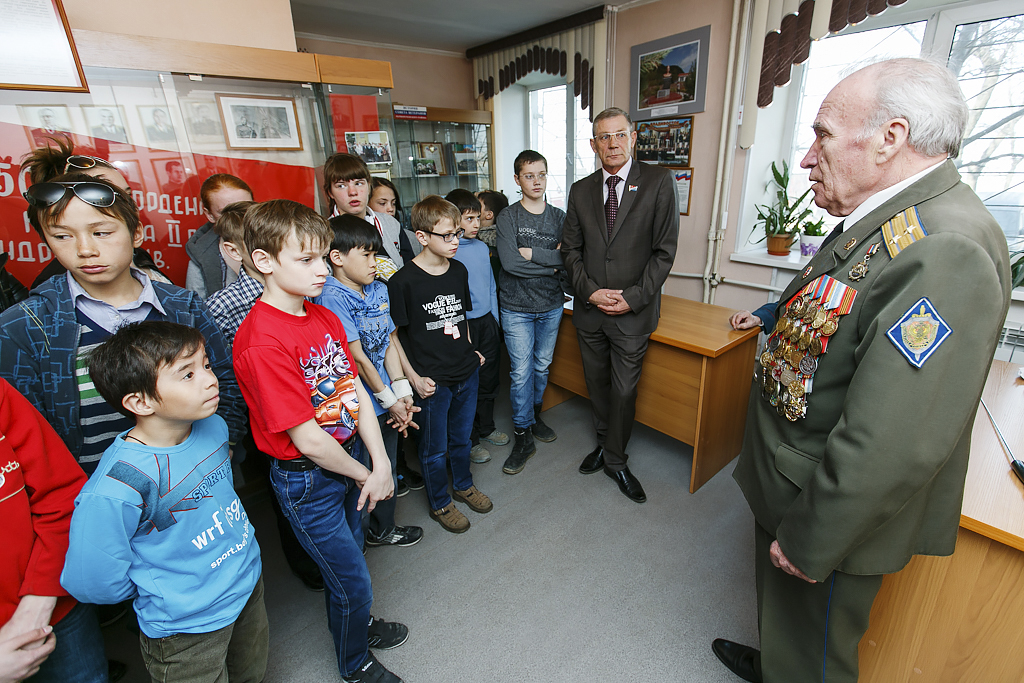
628,484
594,462
742,660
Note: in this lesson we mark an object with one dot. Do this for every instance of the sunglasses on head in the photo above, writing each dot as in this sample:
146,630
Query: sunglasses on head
84,161
42,195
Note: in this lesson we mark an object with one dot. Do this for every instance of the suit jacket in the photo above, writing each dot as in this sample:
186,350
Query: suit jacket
874,473
636,258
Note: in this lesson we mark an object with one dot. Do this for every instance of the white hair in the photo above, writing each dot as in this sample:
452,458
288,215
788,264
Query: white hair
928,96
610,113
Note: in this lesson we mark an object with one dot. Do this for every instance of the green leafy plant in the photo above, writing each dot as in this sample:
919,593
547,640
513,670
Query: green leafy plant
785,217
814,228
1016,268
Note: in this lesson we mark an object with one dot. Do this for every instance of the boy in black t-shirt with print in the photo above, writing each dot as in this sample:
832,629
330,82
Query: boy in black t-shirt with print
429,302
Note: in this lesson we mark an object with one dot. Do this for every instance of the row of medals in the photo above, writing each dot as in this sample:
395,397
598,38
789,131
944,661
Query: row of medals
791,354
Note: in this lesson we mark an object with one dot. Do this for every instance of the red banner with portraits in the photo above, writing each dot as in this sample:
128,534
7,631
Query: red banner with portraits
164,184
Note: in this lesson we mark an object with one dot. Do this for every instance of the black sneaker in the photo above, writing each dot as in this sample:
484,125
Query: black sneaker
385,635
521,452
412,478
402,488
541,431
371,671
400,535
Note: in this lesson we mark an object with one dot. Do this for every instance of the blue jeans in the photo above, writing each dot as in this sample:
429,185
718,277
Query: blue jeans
530,339
79,656
321,507
446,420
381,521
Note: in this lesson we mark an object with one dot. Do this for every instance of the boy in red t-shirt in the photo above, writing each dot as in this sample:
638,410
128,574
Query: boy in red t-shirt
296,373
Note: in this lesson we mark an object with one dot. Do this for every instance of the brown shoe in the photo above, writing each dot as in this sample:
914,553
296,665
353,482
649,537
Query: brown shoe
476,501
451,519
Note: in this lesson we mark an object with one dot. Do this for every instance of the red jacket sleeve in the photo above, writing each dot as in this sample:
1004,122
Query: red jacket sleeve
52,480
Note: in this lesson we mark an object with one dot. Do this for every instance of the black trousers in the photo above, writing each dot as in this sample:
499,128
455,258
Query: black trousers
612,362
486,337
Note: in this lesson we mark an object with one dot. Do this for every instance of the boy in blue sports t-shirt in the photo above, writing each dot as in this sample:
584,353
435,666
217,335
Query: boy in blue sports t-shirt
160,522
361,303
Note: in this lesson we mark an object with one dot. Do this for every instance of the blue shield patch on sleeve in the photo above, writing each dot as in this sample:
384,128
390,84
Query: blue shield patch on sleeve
919,332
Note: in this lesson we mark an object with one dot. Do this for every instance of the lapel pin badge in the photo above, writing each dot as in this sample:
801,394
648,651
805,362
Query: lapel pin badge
633,188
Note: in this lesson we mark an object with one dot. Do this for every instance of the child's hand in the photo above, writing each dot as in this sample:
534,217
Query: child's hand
526,253
401,415
482,359
377,487
18,660
424,386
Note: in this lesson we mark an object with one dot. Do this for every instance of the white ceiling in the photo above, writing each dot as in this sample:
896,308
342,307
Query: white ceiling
453,25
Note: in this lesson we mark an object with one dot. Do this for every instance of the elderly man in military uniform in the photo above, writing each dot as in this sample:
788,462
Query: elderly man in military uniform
859,425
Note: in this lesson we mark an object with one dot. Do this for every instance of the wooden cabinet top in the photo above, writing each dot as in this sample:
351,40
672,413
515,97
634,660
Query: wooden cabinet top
993,495
697,327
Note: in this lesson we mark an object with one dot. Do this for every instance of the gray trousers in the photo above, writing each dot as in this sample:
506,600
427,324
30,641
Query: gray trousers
612,362
809,631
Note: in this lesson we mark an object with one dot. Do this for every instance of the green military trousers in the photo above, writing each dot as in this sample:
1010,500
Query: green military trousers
809,631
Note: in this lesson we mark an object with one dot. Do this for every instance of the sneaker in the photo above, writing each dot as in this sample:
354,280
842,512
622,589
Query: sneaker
541,431
385,635
476,501
413,479
451,519
479,454
371,671
401,536
496,437
401,488
521,452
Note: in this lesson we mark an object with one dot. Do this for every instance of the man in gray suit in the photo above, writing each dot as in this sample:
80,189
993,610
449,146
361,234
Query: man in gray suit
619,243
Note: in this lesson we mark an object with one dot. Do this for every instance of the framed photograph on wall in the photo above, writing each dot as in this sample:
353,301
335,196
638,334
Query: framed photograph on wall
434,151
370,146
666,142
669,76
157,124
683,178
45,121
106,122
259,122
37,50
202,122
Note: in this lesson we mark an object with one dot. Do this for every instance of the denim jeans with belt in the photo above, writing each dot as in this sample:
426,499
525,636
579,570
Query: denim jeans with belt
530,339
321,507
381,521
446,420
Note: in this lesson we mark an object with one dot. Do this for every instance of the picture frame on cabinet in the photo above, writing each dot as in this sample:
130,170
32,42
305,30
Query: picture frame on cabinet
264,122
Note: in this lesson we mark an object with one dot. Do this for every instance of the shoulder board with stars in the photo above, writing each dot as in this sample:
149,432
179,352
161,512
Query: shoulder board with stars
902,230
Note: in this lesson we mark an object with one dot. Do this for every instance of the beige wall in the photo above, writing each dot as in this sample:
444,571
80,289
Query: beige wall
250,23
424,79
658,20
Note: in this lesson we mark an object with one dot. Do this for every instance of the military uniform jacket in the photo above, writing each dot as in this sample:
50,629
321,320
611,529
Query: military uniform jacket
874,473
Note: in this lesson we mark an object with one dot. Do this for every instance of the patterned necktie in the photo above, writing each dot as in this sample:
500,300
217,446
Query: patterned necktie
611,207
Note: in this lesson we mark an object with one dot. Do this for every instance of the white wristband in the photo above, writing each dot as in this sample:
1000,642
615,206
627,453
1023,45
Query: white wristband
386,398
402,388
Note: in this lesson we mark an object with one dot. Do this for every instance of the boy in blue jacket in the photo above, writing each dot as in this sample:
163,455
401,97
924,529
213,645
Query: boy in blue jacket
160,522
92,228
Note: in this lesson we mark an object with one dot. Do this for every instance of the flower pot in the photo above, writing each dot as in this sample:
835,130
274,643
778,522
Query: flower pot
809,244
779,245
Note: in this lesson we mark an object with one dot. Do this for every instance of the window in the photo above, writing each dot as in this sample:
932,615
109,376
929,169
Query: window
982,43
561,131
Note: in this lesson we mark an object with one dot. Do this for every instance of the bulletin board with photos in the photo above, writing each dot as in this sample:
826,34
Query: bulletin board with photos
166,133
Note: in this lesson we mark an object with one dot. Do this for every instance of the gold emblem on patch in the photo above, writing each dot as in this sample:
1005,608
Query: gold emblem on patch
919,332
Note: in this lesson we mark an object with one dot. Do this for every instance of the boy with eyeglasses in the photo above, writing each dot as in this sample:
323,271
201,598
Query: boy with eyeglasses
483,322
529,235
92,227
430,301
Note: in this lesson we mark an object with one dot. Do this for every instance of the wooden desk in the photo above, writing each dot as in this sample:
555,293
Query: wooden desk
957,619
695,382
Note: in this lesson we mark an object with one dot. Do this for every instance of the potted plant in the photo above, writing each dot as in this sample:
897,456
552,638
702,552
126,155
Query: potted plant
781,221
811,237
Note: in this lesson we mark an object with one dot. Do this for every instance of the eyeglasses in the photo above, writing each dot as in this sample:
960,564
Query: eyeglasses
605,138
448,236
530,177
85,161
42,195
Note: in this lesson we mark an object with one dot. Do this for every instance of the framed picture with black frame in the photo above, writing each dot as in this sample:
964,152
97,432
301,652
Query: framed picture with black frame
669,76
